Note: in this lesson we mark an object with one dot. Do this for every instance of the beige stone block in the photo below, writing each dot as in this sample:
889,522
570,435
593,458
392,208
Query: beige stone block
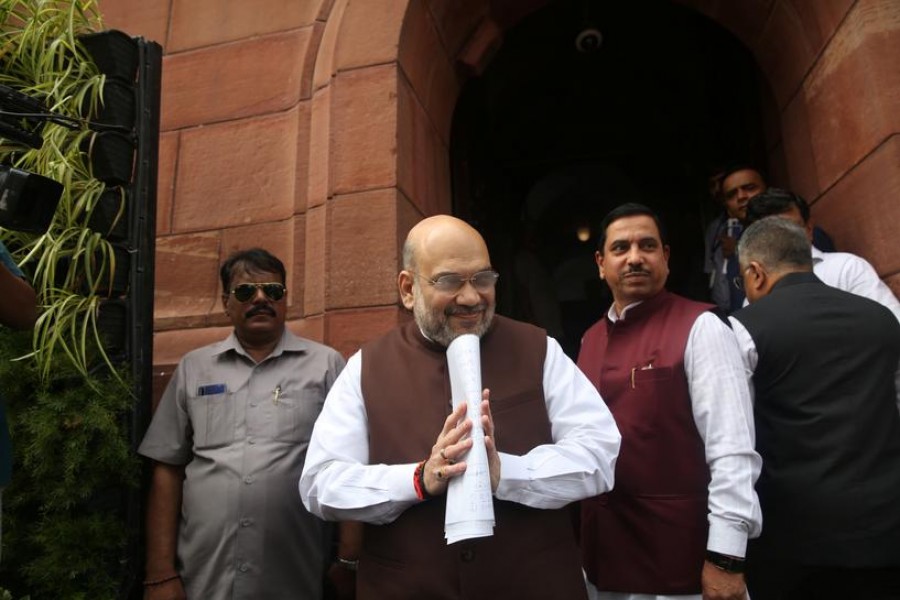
197,23
423,162
319,150
799,151
369,34
312,328
363,249
853,91
186,273
861,211
302,152
364,129
419,45
441,98
348,330
237,173
480,48
295,263
424,60
310,58
456,20
783,52
325,67
770,113
408,214
316,260
253,77
820,19
149,20
165,181
777,173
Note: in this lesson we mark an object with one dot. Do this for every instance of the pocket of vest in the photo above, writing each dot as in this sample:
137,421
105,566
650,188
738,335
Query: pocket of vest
647,375
637,411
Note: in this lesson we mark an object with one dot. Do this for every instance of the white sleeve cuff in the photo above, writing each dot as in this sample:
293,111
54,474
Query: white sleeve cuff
399,481
514,477
727,537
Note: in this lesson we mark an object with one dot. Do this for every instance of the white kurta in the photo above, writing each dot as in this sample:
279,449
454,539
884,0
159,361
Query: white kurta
853,274
338,483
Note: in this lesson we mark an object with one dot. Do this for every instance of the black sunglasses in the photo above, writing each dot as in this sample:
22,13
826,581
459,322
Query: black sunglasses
247,291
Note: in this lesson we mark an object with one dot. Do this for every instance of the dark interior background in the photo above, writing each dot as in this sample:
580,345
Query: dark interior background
550,138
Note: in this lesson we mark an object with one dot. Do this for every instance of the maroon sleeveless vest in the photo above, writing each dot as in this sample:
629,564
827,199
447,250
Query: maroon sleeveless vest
406,387
648,535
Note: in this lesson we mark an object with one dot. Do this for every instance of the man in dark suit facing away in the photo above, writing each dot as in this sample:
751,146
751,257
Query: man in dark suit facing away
824,364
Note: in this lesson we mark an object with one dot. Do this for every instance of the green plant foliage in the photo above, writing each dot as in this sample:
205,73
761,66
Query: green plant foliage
69,408
64,534
71,266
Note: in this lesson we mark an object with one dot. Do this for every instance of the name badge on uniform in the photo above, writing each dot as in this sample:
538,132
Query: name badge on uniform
211,390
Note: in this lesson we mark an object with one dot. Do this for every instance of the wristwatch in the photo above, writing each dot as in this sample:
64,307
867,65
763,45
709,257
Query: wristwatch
729,564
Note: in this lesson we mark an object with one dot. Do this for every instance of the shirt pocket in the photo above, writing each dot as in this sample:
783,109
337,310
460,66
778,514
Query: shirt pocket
295,414
212,417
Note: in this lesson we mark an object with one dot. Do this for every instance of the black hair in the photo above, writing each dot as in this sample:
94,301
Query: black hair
629,209
732,168
775,201
253,259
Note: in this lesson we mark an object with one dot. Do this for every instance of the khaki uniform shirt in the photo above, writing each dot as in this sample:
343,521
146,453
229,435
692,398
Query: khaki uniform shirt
242,430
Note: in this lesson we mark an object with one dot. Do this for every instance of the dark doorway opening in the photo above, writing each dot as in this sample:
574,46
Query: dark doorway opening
552,136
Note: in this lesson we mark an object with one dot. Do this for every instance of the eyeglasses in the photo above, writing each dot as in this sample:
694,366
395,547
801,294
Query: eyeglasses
247,291
483,281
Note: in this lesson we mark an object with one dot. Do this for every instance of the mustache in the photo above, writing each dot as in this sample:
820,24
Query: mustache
260,309
637,270
465,310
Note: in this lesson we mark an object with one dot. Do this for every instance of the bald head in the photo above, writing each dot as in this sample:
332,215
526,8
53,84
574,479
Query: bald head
441,236
447,279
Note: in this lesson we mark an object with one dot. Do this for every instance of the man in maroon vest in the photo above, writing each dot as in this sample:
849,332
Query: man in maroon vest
388,440
677,524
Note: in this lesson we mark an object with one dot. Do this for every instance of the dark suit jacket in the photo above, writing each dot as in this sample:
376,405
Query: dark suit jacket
827,424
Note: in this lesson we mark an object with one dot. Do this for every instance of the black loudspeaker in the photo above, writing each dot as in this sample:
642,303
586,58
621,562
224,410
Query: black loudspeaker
27,201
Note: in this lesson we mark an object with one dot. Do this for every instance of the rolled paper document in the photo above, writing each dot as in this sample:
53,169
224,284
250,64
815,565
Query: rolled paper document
470,501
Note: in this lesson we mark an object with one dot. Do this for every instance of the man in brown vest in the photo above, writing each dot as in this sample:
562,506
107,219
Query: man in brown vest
677,524
388,441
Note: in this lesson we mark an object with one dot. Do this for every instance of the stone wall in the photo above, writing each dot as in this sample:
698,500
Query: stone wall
320,130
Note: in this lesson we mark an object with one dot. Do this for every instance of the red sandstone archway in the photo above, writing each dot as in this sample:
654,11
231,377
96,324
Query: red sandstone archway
388,75
340,111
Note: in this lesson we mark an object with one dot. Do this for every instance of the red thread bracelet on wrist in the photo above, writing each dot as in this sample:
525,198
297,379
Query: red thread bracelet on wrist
419,481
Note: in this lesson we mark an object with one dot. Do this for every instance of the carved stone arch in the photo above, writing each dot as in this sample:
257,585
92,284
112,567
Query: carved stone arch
398,67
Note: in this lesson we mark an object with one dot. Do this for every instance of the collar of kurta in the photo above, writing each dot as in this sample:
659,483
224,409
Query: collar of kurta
636,310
